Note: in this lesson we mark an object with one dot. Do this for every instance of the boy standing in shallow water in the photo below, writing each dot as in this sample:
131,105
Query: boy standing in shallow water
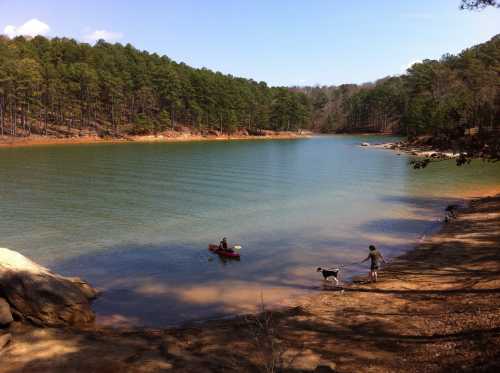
375,257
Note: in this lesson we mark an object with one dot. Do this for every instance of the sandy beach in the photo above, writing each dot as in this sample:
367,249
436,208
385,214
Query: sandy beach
434,309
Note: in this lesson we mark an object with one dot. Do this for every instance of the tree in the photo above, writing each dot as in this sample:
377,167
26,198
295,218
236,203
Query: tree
27,91
164,120
478,4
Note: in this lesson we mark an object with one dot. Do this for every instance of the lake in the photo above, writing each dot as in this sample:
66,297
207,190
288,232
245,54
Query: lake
135,219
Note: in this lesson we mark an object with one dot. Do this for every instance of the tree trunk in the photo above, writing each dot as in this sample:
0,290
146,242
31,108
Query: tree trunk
45,120
14,119
70,120
1,116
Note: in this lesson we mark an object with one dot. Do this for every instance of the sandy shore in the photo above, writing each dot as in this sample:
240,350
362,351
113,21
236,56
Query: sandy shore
8,141
436,308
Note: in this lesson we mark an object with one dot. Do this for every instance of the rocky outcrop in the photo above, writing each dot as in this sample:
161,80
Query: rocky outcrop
42,297
5,314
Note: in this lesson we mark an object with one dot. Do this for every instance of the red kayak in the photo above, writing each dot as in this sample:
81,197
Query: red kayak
228,253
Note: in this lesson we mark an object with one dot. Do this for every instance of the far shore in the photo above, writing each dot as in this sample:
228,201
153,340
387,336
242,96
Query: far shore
34,140
435,308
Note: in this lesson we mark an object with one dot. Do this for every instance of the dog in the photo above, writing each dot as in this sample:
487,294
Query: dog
332,273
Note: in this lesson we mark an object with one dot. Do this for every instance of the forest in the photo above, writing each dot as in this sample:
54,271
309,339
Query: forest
60,87
457,91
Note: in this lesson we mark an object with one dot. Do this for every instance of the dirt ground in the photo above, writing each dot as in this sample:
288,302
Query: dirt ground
434,309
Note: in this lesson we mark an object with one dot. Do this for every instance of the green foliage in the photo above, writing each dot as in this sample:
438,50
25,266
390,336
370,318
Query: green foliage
143,125
164,120
60,84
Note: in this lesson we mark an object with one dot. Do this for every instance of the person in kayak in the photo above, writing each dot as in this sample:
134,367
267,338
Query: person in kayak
376,257
223,244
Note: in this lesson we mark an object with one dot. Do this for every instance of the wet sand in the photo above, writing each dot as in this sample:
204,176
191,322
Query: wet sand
436,308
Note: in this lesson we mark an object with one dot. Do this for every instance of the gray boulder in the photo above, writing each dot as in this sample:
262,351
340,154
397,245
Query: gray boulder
5,314
42,297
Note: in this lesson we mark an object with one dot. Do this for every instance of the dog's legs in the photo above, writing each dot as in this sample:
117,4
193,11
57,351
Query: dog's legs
336,281
328,281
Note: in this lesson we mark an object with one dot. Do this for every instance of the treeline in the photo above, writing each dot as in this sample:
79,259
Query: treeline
61,87
456,93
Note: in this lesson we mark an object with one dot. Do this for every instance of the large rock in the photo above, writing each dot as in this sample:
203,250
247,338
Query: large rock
41,296
5,314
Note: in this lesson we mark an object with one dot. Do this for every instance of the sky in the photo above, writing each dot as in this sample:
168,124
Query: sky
281,42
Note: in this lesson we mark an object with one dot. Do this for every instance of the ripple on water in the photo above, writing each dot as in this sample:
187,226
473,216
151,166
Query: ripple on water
135,219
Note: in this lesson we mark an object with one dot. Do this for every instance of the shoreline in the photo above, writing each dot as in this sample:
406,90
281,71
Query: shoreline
436,307
35,140
415,149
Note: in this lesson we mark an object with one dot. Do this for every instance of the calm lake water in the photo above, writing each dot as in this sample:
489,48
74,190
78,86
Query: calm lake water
136,219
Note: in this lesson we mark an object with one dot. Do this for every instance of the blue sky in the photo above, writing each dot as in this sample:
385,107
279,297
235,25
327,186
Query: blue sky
283,42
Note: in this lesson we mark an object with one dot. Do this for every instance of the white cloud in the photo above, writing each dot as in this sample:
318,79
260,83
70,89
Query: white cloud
32,27
409,64
102,34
